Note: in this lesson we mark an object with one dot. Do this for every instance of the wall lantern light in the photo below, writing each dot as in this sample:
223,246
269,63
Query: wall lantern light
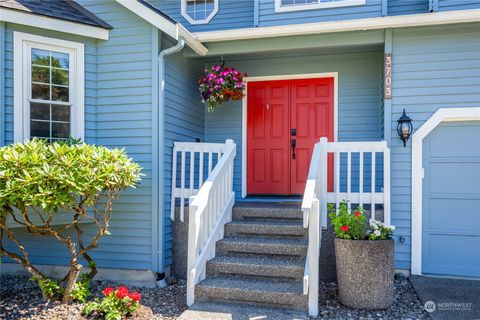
404,128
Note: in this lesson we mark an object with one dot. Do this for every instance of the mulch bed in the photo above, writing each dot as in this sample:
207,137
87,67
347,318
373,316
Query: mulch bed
20,299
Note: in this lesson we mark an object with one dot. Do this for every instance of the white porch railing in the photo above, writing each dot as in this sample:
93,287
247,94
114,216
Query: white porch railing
198,159
317,197
209,210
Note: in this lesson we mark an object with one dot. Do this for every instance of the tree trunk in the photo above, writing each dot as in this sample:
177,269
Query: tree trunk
71,280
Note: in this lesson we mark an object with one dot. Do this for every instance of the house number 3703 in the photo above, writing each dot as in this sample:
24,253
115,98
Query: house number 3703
387,82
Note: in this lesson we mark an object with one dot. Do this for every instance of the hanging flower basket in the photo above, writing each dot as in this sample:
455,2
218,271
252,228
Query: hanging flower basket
221,84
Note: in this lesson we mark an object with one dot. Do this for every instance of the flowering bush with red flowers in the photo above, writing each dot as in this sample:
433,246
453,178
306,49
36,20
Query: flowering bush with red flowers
221,84
355,226
116,304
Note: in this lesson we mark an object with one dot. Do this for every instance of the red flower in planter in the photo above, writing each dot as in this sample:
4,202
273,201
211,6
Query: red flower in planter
134,296
345,228
122,292
357,213
107,291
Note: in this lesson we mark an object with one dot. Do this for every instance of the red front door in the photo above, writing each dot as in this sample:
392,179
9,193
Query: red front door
279,112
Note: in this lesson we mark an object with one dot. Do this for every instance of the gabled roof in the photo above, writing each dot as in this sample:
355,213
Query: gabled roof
59,9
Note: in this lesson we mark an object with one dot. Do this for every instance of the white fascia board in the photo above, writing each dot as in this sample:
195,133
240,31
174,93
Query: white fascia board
38,21
174,30
412,20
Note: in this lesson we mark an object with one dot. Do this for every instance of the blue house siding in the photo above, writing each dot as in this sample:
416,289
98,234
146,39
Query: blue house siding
184,121
447,5
359,96
231,15
399,7
268,16
433,67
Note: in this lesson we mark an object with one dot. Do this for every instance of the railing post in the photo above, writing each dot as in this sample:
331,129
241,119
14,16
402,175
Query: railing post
386,186
323,180
314,249
192,252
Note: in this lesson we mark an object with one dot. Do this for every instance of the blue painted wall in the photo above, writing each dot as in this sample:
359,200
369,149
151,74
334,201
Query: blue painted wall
359,102
231,14
184,121
433,67
448,5
399,7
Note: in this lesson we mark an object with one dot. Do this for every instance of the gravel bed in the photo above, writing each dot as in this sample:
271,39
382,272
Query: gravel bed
21,299
406,305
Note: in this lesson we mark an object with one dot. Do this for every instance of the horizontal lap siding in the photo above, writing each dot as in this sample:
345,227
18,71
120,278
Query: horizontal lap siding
435,67
447,5
184,121
359,101
399,7
268,16
231,15
118,115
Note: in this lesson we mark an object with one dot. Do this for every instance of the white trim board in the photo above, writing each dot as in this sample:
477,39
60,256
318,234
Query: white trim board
174,30
441,115
38,21
315,6
333,75
22,44
412,20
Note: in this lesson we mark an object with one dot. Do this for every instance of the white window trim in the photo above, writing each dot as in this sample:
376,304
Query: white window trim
312,6
204,21
441,115
23,42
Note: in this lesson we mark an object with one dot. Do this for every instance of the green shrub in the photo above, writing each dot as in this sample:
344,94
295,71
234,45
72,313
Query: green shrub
39,179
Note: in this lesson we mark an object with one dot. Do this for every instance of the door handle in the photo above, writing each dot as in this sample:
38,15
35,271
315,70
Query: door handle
294,144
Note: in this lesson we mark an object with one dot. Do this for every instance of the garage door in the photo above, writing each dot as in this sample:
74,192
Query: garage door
451,200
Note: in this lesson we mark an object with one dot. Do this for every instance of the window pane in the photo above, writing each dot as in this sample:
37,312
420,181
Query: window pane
39,111
60,113
41,74
39,129
40,57
60,77
60,60
59,93
60,130
40,91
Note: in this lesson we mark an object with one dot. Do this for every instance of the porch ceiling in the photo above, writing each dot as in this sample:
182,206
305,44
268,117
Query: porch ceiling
292,43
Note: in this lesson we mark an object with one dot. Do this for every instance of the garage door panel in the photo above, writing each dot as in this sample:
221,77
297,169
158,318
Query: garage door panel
454,177
464,260
454,213
451,200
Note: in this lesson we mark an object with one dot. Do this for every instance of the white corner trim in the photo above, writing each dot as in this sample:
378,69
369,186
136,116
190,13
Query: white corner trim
441,115
320,5
412,20
22,44
38,21
174,30
333,75
203,21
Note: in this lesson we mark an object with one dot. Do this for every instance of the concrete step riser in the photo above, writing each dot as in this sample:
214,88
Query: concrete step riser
261,248
254,270
275,299
265,230
240,213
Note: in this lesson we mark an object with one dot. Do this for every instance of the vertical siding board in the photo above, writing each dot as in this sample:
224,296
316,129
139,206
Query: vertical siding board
422,87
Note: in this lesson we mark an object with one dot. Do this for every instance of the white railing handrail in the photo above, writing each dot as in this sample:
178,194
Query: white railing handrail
317,196
209,210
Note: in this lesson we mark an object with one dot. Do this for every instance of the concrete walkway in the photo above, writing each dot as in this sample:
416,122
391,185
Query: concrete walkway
448,299
225,311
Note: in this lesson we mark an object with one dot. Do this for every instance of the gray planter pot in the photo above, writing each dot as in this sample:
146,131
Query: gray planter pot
365,273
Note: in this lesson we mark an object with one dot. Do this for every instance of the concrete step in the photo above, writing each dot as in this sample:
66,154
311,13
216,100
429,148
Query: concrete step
232,311
266,210
255,266
263,245
276,293
293,228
